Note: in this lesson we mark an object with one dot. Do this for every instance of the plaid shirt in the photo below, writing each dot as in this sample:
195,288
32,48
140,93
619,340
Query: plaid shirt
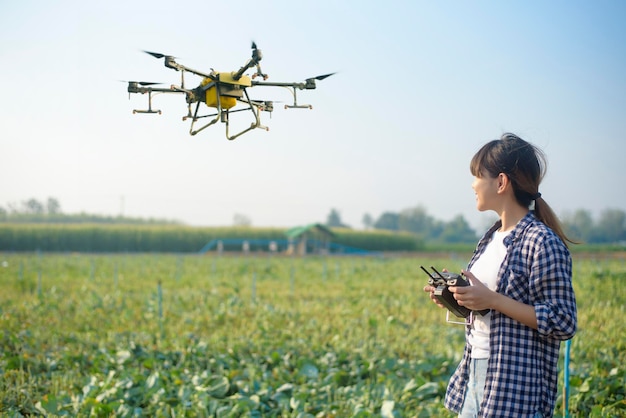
522,367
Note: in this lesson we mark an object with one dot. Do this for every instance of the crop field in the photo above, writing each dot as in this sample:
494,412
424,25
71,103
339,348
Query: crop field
262,336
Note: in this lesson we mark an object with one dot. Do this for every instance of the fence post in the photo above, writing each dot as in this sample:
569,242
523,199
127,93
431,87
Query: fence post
160,307
568,345
254,286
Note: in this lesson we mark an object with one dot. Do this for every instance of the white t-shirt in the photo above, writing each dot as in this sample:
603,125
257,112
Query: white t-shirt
486,269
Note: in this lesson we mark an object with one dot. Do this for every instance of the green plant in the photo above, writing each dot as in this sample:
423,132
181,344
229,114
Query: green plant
163,335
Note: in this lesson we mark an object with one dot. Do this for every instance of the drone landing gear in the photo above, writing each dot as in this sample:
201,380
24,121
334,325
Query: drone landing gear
295,104
222,115
149,110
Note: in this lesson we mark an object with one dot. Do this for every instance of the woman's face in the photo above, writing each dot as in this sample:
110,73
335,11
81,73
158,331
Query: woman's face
486,190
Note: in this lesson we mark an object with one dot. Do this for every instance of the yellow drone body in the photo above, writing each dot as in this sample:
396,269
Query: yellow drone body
229,90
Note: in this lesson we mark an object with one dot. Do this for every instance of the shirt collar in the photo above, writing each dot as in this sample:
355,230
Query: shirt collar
515,233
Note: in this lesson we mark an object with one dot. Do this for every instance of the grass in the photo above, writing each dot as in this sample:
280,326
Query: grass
181,335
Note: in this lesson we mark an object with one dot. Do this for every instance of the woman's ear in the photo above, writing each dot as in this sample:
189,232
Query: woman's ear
503,182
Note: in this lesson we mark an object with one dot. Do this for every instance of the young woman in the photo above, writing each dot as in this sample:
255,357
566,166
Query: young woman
522,271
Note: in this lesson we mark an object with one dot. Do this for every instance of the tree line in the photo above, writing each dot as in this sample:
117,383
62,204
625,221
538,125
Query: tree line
49,211
608,228
580,225
416,221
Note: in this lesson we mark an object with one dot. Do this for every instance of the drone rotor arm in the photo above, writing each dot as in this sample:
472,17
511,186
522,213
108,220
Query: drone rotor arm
143,87
170,62
293,88
295,85
254,61
308,84
196,72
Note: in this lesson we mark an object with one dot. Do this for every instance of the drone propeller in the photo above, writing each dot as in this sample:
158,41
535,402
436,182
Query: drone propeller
257,56
254,61
133,86
157,55
321,77
170,62
141,83
309,83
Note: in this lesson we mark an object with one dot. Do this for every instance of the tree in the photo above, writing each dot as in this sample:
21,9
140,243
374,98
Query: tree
458,231
33,206
334,220
612,225
53,206
418,221
241,220
387,220
368,221
579,225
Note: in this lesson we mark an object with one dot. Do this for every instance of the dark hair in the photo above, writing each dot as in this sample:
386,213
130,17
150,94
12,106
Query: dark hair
524,165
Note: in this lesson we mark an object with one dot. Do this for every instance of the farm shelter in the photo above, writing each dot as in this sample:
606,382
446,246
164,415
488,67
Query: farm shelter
312,238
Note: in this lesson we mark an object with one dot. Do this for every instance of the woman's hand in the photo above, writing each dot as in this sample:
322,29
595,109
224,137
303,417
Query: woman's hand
476,297
431,289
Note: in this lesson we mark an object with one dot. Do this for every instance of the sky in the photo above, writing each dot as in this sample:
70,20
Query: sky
419,87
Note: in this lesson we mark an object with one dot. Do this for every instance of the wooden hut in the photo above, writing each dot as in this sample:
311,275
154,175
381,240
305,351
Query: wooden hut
309,239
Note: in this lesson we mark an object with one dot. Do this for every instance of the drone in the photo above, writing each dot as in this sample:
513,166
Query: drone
223,93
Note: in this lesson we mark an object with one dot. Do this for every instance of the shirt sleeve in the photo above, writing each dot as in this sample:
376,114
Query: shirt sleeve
551,290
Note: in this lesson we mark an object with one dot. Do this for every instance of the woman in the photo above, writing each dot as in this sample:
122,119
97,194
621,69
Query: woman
521,270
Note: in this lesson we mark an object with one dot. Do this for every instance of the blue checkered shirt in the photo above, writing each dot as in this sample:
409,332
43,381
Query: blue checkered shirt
522,367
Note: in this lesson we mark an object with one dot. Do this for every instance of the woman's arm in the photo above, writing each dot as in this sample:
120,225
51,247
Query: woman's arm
478,297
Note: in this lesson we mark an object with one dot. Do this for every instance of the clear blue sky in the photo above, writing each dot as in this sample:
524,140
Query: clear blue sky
420,86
